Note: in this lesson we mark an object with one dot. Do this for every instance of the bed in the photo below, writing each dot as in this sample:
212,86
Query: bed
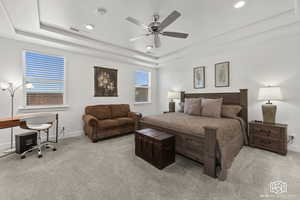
214,142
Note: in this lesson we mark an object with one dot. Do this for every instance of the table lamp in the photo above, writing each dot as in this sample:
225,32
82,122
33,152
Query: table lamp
269,109
171,96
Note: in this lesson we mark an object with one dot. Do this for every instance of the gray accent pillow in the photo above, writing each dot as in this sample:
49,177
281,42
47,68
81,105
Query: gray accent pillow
231,111
192,106
211,107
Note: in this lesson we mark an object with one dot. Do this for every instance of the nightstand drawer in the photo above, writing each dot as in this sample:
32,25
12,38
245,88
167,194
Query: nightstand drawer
267,131
273,145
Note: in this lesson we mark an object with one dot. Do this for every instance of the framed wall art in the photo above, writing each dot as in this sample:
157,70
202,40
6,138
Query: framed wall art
106,82
199,77
222,78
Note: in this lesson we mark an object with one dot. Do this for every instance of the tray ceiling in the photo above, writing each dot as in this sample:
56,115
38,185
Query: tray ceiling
202,19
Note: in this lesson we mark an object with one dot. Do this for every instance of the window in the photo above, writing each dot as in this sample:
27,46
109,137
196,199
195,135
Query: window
142,87
47,75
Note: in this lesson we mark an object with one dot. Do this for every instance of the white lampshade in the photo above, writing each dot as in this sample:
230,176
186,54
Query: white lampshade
173,95
269,93
4,85
29,86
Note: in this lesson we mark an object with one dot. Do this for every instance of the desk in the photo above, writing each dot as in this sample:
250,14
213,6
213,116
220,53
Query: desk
16,121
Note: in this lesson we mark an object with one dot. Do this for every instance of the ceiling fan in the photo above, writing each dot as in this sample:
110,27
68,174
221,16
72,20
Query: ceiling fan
156,28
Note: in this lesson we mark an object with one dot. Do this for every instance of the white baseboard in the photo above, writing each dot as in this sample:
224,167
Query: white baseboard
66,135
294,147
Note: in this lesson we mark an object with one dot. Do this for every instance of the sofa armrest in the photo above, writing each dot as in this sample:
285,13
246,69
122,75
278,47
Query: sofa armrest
135,115
90,120
90,127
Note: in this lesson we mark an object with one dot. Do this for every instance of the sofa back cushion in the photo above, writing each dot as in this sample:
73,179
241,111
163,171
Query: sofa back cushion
99,111
119,110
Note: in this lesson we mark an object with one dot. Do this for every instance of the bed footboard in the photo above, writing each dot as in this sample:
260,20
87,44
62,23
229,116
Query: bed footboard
209,156
210,151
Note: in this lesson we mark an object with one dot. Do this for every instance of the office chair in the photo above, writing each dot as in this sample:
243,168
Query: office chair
39,123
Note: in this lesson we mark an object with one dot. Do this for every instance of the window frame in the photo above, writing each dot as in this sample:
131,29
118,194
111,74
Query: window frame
149,87
29,107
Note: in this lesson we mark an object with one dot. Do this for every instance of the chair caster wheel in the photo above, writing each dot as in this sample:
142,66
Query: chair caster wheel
47,147
40,156
54,149
22,157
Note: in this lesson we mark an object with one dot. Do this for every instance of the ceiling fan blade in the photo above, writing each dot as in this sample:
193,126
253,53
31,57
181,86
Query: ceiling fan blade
169,20
138,37
157,42
175,34
137,22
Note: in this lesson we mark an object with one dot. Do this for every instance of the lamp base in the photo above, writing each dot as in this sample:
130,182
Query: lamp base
269,113
171,106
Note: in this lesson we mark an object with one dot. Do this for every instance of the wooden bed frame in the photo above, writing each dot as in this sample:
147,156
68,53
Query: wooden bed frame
205,149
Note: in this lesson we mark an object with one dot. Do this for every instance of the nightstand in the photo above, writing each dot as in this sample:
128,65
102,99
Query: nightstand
272,137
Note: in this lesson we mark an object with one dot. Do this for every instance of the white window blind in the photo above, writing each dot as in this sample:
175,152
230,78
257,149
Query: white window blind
142,87
47,75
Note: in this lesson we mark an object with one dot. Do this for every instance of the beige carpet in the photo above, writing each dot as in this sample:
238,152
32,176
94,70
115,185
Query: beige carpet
109,170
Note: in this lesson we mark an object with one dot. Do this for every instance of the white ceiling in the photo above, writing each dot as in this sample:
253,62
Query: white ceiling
202,19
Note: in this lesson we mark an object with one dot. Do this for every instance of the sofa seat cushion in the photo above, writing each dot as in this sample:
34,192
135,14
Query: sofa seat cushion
125,121
108,123
119,110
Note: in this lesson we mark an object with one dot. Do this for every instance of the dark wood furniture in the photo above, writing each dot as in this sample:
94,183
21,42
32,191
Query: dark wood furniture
10,122
272,137
156,147
204,149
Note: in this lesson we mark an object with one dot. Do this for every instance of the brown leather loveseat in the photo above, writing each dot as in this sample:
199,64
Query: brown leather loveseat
103,121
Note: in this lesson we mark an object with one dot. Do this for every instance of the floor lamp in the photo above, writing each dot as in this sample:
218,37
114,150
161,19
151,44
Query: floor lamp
11,89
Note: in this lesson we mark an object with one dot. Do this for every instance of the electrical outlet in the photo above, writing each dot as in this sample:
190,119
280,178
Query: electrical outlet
291,139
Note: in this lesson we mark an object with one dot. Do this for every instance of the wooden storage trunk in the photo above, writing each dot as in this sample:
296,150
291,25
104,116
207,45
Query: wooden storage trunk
155,147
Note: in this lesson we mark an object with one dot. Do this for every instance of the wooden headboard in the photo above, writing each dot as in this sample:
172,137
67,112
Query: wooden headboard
230,98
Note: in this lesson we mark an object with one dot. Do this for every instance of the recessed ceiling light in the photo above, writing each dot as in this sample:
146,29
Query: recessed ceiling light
239,4
89,26
149,47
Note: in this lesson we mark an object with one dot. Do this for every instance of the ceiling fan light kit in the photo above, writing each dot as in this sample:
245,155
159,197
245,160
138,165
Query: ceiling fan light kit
239,4
156,28
149,47
89,26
